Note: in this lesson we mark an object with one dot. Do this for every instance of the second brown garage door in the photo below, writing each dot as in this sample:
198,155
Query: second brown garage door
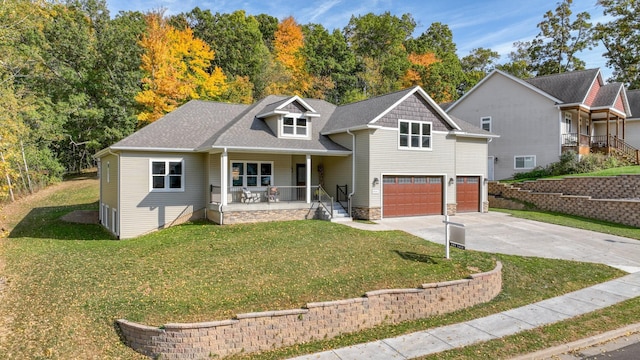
468,194
411,195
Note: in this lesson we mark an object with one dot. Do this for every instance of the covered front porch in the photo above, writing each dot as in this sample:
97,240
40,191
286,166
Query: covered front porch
256,187
596,131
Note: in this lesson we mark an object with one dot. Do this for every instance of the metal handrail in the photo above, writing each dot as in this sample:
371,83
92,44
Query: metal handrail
342,194
323,196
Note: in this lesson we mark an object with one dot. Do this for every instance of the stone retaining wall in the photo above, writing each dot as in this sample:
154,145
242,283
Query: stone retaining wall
316,321
600,187
620,210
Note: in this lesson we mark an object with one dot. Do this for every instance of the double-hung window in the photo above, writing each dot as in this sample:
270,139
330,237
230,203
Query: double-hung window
485,123
525,162
251,173
167,175
414,134
295,126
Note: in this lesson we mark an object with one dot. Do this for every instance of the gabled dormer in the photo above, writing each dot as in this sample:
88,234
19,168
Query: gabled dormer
289,118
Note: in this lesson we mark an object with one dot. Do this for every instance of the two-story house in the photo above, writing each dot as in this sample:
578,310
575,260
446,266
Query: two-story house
539,118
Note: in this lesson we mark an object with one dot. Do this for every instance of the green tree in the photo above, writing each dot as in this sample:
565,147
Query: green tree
443,78
236,40
560,39
519,64
621,39
329,61
476,66
378,44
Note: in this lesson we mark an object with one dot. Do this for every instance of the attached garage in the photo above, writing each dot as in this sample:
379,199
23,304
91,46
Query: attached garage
468,194
408,195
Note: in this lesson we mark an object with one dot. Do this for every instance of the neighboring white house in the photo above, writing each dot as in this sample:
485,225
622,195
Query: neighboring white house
287,158
539,118
632,135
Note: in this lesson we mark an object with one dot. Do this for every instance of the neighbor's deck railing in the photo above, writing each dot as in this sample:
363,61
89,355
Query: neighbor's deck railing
264,194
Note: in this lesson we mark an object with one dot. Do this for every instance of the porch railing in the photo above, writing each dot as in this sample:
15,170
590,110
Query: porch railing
575,139
325,201
613,142
342,195
264,194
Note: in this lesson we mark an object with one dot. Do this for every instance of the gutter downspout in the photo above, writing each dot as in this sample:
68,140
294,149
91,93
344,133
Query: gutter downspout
353,168
118,194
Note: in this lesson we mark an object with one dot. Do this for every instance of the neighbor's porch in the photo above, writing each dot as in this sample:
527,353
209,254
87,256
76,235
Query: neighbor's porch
602,131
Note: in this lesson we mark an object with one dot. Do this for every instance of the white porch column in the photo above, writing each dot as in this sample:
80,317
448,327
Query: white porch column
224,176
308,168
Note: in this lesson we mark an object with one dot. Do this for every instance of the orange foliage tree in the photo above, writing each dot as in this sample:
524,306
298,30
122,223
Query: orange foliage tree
176,66
291,77
418,71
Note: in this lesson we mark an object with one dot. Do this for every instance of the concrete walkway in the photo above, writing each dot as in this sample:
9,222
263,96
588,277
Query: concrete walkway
491,327
501,233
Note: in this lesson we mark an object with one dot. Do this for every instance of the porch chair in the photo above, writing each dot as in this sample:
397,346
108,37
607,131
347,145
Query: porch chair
248,197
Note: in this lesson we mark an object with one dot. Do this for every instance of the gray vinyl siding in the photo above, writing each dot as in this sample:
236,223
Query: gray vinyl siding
388,159
342,139
337,171
363,160
471,156
528,123
632,133
109,188
145,211
417,109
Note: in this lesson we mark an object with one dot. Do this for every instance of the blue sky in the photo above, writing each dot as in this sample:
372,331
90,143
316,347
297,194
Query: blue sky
493,24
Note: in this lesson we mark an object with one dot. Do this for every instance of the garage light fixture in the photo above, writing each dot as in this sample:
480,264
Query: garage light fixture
450,181
376,181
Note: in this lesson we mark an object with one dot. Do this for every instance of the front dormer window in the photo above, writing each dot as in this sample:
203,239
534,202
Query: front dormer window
295,126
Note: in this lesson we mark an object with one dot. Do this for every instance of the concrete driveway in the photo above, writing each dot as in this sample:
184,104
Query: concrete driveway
497,232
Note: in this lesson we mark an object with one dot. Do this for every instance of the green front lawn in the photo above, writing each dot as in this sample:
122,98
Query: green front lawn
67,283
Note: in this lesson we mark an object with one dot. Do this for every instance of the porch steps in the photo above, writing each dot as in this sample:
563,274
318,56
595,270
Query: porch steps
340,214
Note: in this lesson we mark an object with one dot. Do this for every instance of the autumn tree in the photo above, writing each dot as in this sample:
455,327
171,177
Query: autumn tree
289,75
621,39
238,45
176,68
442,78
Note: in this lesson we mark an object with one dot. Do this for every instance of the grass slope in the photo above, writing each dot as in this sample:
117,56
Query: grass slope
67,283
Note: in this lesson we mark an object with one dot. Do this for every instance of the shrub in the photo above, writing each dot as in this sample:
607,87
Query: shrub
570,163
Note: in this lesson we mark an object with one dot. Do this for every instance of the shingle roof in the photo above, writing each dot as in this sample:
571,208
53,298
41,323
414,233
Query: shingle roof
470,128
247,131
607,95
634,103
187,127
362,112
570,87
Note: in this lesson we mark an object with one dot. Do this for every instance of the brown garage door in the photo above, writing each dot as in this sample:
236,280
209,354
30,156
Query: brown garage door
412,196
468,194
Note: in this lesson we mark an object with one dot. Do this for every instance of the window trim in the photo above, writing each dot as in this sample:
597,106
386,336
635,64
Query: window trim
295,126
567,123
417,148
486,120
258,175
515,162
108,172
167,175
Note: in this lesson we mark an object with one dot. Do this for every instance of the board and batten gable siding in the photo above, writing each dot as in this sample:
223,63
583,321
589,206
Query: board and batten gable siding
388,159
417,109
109,176
528,122
143,211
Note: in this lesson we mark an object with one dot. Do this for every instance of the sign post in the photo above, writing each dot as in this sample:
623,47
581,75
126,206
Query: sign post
453,234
